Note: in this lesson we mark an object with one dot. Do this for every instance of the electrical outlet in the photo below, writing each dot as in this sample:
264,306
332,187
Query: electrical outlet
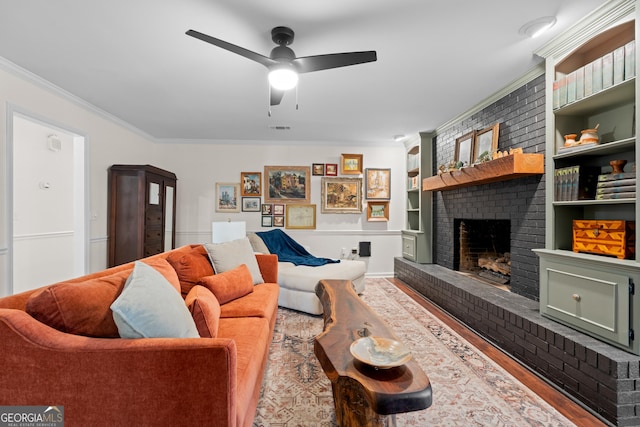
354,251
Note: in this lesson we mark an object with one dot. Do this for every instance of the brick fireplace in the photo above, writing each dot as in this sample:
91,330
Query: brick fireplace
602,377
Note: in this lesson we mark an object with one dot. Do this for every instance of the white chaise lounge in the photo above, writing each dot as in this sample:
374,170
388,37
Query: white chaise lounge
298,282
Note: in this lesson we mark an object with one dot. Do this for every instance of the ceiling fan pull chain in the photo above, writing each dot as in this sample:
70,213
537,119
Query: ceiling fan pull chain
269,102
296,97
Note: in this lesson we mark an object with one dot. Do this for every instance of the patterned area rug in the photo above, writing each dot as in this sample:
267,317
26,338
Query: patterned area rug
468,388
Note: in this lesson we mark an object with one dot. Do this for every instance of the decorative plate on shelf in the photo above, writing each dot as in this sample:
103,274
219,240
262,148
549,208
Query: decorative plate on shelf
382,353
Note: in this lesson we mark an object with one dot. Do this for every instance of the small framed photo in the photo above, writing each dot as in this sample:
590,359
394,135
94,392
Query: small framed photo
267,209
301,216
227,197
341,195
278,209
377,184
287,184
464,149
351,164
267,221
486,142
317,169
251,183
278,220
251,204
331,169
377,211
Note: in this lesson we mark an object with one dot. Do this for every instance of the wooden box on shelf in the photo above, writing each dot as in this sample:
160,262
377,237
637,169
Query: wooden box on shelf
614,238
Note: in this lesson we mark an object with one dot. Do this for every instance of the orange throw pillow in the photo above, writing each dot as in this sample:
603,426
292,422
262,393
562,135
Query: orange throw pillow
229,285
190,267
205,310
84,308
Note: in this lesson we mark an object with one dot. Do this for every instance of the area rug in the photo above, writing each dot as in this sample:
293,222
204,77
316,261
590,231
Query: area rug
468,388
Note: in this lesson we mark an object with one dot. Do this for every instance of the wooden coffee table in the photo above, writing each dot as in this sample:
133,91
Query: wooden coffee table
363,395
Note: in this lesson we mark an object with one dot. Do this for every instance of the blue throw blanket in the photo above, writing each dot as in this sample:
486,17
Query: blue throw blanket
288,250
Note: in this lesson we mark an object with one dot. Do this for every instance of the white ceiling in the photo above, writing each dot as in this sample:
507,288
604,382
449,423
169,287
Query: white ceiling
132,59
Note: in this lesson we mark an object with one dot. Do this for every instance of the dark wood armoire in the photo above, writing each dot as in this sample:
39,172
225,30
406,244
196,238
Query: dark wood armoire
142,206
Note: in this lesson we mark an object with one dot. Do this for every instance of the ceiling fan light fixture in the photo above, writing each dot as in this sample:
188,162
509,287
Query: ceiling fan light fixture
283,78
538,26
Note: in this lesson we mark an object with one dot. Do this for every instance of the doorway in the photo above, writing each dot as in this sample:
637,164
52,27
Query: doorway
47,194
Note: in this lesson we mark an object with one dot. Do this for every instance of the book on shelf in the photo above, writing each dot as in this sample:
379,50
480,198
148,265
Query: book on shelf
616,176
571,87
607,70
620,189
630,60
623,182
588,79
575,183
597,75
618,65
609,196
579,83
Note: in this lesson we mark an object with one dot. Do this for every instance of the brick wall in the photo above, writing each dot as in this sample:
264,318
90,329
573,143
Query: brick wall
522,125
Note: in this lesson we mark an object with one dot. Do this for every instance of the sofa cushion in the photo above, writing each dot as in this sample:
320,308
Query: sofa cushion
82,308
190,266
229,285
257,243
150,307
205,310
227,256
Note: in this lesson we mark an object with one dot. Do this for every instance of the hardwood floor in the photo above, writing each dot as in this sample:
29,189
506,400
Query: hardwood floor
567,407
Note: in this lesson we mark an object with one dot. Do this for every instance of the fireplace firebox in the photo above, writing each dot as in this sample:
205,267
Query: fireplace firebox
482,247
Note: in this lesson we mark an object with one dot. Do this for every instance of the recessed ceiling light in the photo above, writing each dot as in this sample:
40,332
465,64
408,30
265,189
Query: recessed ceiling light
280,127
538,26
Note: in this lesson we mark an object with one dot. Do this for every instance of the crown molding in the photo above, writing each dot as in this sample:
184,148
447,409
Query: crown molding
611,13
38,81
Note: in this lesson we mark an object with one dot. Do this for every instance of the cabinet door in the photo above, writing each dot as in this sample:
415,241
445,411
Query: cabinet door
409,247
587,297
154,214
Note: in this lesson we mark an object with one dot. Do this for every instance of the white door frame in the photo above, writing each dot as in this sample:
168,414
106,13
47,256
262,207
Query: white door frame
81,189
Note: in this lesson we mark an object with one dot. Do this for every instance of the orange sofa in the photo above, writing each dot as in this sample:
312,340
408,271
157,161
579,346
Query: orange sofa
148,381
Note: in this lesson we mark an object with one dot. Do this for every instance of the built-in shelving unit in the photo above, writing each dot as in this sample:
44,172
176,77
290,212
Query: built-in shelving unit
593,293
417,236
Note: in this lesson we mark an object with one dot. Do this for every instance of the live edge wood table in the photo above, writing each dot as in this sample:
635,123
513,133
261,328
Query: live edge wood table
363,395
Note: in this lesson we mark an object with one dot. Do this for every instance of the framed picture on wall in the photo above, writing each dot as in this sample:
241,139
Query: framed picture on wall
278,209
227,197
341,195
301,216
251,204
351,164
486,142
267,221
251,183
464,149
377,184
377,211
317,169
331,169
287,184
267,209
278,220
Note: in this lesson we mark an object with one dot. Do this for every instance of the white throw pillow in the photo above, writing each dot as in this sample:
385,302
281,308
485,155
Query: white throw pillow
227,256
257,243
149,307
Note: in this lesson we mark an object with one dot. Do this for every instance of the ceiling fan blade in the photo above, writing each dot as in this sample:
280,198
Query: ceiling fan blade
264,60
307,64
276,96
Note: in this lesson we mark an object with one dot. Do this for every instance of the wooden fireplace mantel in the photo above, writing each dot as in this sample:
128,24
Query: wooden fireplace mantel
508,167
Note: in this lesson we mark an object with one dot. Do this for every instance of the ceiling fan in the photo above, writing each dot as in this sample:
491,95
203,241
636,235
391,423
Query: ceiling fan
282,63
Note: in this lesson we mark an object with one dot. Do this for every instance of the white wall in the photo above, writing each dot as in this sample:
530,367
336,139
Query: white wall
198,167
206,164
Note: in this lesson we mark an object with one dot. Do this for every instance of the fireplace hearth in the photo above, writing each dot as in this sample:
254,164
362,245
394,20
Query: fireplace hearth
482,249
